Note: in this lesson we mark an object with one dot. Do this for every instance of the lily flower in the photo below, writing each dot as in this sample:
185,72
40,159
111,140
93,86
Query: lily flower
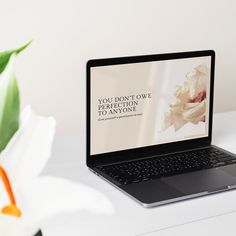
190,105
30,199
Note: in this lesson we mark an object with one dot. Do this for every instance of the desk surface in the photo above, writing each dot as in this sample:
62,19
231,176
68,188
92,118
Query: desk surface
212,215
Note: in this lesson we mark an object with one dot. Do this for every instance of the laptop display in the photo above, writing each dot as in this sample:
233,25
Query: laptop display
149,127
149,103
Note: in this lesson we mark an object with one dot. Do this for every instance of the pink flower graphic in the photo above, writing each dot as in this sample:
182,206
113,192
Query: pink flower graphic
190,105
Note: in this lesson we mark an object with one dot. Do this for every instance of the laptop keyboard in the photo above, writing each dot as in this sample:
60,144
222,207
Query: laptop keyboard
168,165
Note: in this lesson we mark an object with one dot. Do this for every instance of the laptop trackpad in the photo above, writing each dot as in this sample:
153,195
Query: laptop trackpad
201,181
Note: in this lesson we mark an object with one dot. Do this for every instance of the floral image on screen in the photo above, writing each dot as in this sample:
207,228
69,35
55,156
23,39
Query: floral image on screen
190,104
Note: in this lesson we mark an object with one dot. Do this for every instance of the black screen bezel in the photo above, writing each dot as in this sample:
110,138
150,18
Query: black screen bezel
143,152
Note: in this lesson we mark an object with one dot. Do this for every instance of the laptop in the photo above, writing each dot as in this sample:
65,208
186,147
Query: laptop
149,127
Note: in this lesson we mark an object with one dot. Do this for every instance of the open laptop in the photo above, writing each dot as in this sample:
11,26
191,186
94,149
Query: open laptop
149,127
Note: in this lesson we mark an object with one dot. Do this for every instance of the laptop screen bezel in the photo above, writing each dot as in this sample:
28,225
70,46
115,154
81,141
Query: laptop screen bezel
143,152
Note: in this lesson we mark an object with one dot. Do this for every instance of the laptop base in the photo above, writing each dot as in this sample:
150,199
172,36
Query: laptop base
179,187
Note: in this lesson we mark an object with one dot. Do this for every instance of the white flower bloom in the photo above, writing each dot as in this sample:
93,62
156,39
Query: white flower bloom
39,197
190,105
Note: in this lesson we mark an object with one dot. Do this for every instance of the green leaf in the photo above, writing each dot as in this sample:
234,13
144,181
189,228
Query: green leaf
5,56
9,96
9,103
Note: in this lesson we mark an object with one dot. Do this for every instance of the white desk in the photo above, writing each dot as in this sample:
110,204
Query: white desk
211,215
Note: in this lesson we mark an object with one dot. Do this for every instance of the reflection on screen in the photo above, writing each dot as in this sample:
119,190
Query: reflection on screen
149,103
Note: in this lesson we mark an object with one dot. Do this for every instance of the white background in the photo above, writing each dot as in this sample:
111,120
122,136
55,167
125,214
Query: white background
67,33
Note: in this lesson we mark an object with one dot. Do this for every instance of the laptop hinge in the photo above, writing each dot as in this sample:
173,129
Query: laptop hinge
203,145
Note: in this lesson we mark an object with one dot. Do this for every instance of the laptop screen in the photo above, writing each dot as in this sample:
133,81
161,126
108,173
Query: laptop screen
149,103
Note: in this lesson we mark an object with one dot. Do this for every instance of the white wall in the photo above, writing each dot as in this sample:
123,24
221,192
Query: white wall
67,33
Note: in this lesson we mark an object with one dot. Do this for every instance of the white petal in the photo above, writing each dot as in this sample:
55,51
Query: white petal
47,196
194,114
12,226
197,80
178,122
29,149
203,69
